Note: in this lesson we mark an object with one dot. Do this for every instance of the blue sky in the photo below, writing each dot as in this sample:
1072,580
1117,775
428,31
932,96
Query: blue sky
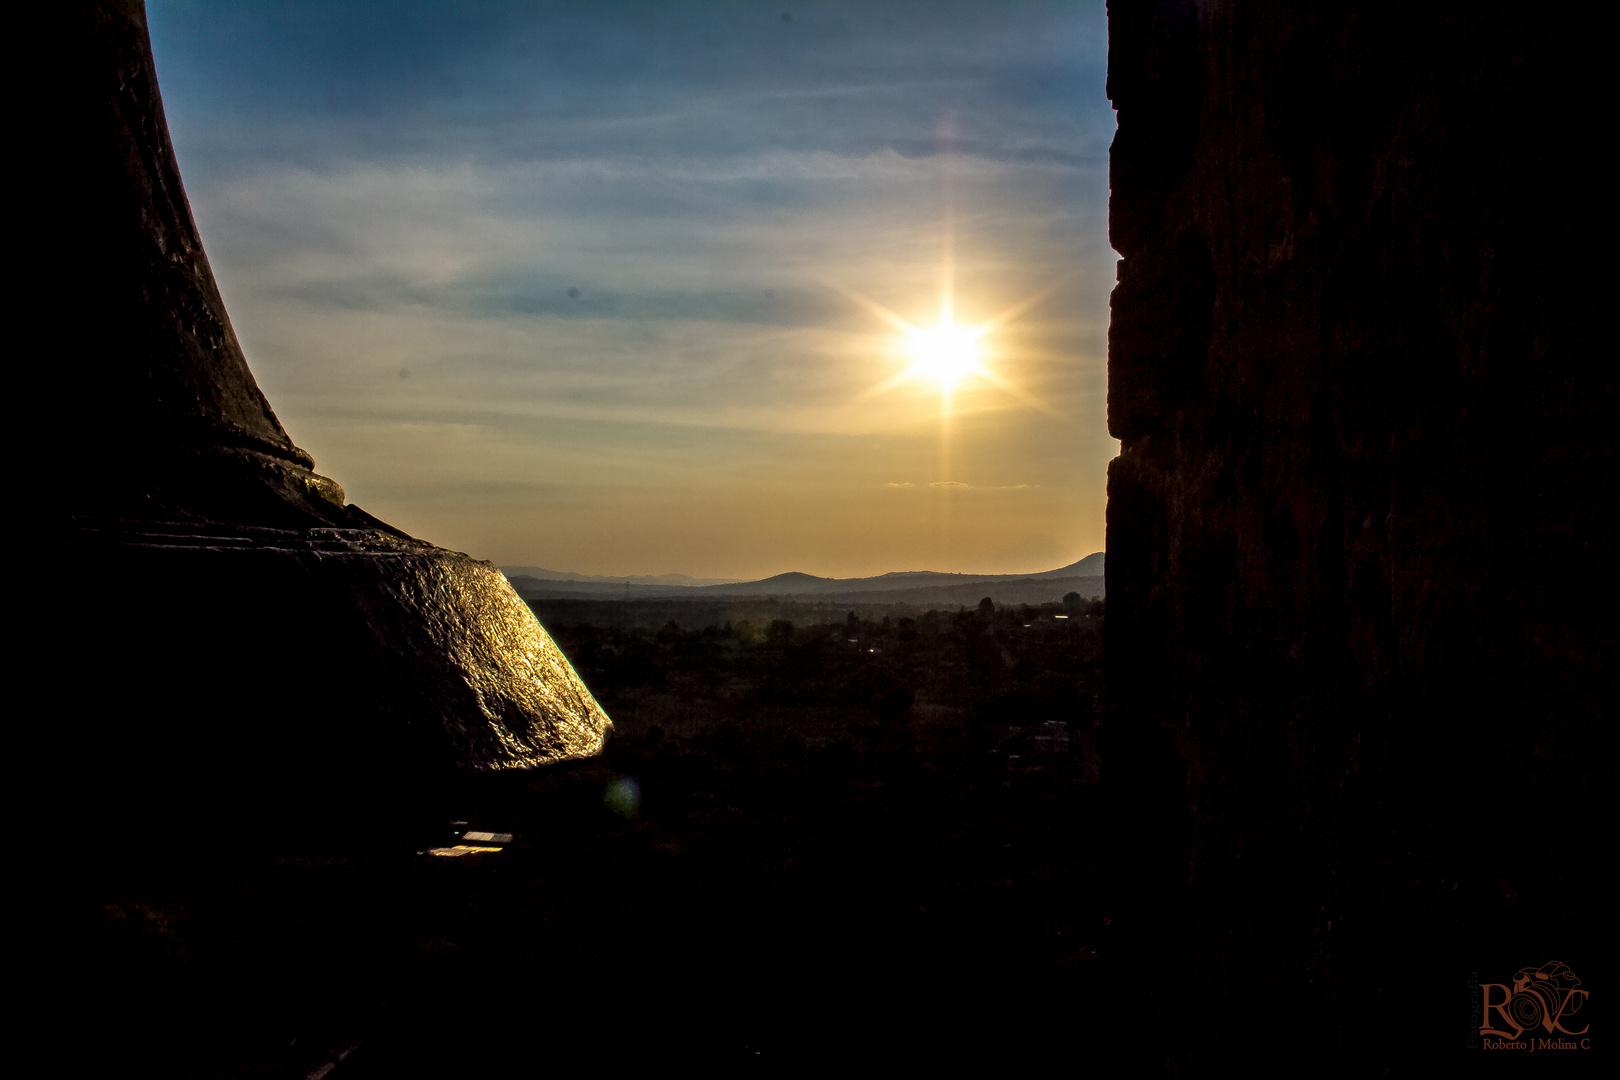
577,285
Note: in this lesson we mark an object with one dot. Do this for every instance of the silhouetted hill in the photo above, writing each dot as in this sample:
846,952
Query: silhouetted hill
922,587
542,574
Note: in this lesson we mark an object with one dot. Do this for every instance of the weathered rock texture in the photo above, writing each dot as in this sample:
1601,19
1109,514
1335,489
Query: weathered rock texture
1360,594
225,639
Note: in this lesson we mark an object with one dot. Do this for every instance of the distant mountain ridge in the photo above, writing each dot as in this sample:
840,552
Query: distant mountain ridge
1085,576
681,580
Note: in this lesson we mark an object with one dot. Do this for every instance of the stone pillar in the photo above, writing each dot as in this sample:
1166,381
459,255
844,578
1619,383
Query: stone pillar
228,648
1360,577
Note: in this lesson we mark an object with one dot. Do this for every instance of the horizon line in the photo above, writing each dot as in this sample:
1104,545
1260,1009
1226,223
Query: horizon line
629,579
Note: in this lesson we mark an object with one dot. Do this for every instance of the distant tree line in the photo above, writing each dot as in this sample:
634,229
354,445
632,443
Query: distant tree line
993,666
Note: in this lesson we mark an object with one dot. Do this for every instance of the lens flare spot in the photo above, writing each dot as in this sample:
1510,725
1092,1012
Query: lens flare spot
623,797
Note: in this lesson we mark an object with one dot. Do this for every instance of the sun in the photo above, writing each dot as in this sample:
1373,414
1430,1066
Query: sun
946,353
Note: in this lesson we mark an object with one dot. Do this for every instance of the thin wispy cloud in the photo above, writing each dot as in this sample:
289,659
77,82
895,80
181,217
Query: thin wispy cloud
959,485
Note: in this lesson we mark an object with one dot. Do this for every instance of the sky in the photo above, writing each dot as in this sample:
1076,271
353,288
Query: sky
639,288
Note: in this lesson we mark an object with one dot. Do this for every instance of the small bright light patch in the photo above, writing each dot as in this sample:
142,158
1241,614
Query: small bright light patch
947,353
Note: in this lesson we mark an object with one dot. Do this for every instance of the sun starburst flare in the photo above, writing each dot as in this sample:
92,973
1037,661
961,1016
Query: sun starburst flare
948,354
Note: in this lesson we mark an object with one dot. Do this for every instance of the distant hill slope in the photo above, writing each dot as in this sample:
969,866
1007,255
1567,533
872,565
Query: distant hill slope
539,573
913,587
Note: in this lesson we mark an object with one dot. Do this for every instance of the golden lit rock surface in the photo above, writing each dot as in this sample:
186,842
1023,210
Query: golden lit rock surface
531,708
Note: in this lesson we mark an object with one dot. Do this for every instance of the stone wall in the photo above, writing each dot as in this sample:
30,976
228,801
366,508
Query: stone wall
1360,590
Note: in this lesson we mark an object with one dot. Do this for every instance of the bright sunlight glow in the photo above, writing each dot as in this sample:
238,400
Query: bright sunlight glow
946,353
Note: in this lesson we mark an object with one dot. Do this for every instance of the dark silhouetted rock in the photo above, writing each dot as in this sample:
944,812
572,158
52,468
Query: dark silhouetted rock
247,656
1360,580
